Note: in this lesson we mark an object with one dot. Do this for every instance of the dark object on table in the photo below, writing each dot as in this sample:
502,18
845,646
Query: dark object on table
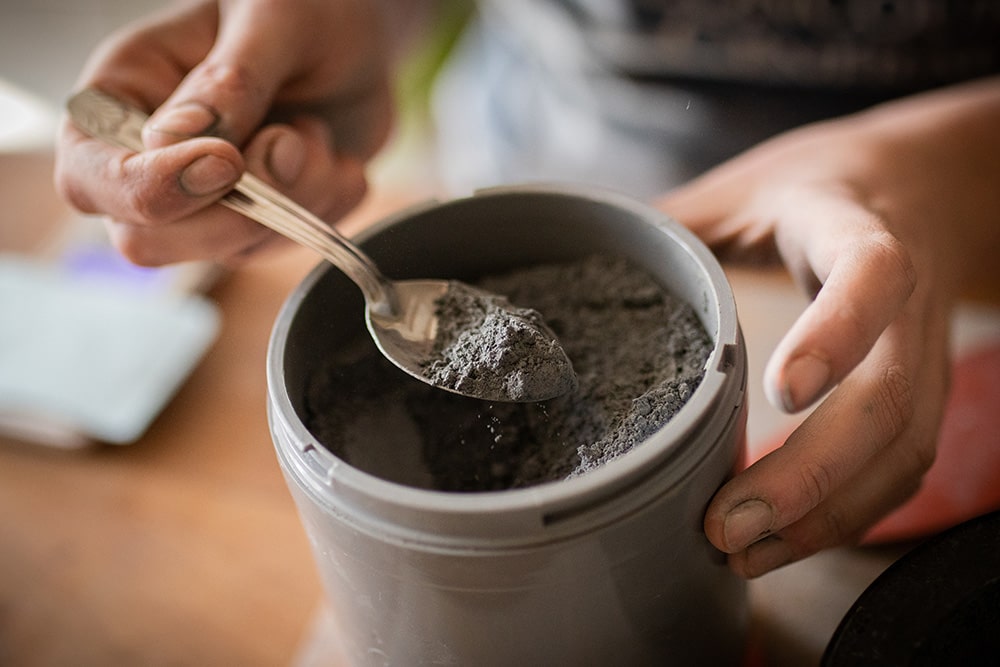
937,605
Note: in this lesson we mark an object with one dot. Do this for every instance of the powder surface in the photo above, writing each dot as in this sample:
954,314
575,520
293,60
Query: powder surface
638,351
489,348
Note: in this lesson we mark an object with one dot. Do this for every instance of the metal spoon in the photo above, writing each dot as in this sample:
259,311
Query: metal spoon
401,315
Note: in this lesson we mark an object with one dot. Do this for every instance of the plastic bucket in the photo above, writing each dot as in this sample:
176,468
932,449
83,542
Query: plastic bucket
611,567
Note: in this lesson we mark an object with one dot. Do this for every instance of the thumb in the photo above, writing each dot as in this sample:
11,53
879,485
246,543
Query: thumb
706,205
229,93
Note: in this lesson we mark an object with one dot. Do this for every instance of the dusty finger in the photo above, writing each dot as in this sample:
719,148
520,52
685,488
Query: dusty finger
299,160
218,235
890,477
867,277
151,187
229,93
870,410
295,160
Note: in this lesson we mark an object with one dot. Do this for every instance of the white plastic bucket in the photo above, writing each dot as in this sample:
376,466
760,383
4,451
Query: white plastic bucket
608,568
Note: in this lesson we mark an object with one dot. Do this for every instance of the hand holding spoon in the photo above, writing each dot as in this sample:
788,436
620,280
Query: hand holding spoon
403,317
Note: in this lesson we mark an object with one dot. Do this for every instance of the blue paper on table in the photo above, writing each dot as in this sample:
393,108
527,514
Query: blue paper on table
90,357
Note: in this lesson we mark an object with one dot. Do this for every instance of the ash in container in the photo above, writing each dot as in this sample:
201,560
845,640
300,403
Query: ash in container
639,353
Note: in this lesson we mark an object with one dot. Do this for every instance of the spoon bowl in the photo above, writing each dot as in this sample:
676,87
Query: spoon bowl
403,317
405,334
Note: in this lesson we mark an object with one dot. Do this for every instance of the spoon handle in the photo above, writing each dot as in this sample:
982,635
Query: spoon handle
111,120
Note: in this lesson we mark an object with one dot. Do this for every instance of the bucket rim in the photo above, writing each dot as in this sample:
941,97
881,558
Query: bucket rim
330,477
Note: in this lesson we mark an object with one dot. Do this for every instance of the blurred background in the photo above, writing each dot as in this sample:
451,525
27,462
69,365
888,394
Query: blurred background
43,45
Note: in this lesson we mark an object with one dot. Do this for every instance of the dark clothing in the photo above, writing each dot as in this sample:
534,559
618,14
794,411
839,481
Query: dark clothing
644,94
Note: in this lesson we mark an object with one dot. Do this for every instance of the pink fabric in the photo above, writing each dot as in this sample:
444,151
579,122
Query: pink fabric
964,481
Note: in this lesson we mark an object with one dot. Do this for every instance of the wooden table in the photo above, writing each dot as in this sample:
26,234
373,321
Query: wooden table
181,549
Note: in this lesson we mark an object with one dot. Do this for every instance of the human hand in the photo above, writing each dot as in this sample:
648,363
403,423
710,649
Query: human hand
295,92
883,218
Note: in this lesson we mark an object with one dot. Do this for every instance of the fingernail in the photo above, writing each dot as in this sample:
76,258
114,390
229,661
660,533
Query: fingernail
746,523
208,174
804,378
184,121
285,157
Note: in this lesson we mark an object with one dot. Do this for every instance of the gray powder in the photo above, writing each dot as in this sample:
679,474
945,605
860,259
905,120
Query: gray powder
638,352
488,348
